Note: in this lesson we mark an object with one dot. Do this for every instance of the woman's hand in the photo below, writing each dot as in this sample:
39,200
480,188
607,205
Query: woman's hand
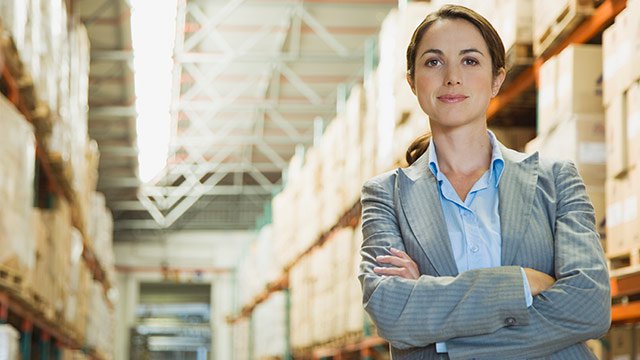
538,281
404,266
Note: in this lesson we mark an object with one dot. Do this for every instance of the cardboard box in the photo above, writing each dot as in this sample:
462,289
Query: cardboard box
623,222
619,49
514,21
547,98
621,342
579,138
610,62
633,124
616,138
634,34
579,80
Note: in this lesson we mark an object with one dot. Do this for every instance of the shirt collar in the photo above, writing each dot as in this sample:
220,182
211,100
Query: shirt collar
497,161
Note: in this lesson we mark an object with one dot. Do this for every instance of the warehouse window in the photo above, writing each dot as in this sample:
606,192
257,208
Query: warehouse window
153,29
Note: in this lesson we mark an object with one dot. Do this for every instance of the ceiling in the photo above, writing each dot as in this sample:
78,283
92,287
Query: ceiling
253,80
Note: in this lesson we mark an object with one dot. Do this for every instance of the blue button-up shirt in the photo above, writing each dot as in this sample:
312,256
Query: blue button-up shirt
474,224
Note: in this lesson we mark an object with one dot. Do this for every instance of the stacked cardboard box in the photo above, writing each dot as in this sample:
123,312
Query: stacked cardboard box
326,301
240,338
100,232
302,283
99,333
553,20
269,323
622,102
17,148
571,122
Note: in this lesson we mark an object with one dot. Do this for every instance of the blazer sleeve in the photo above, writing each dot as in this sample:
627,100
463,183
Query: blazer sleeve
416,313
577,307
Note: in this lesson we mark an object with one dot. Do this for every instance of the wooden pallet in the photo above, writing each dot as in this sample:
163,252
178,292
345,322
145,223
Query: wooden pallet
39,303
624,263
11,279
518,58
573,13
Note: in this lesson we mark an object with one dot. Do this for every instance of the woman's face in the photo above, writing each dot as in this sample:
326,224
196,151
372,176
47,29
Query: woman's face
454,80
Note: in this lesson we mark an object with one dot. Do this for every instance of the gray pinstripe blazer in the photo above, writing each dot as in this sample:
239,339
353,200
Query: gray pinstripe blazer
547,223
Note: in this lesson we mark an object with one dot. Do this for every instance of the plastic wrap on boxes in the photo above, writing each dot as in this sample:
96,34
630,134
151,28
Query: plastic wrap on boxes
100,327
13,16
513,20
100,231
269,324
241,341
17,147
9,343
285,224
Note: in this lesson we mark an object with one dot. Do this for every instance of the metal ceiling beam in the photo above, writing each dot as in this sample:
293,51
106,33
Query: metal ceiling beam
262,58
113,111
111,55
132,205
265,105
206,141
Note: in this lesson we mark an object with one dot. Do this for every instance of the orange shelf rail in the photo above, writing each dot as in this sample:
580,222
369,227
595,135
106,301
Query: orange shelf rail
625,313
34,318
364,347
349,219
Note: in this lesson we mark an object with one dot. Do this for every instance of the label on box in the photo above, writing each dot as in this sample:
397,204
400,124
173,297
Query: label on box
633,125
590,152
630,209
614,214
622,357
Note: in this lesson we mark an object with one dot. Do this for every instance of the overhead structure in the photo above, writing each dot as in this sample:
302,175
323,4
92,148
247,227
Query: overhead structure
252,80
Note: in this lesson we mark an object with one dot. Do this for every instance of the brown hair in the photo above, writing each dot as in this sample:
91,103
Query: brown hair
451,12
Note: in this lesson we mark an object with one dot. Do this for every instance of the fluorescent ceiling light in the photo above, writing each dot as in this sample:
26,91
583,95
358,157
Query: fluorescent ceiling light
153,29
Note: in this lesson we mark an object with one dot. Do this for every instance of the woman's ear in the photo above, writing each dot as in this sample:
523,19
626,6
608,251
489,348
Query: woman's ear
410,81
497,82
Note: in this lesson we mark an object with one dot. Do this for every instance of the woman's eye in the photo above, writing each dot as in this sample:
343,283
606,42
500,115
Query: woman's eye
433,62
470,62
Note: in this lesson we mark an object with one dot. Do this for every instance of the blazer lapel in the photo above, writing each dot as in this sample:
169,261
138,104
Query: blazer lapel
420,203
516,191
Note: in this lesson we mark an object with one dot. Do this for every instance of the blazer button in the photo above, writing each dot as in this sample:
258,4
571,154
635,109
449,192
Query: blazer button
510,321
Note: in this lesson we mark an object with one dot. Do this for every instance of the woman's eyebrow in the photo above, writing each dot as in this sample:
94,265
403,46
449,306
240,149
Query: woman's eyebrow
471,50
462,52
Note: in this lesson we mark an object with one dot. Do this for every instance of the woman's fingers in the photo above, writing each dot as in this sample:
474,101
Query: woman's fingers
392,260
393,271
400,253
404,266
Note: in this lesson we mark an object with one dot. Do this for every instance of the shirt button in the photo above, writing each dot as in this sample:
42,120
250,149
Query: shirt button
510,321
474,249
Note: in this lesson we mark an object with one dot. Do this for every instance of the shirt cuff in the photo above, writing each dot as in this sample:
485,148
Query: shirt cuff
441,347
527,290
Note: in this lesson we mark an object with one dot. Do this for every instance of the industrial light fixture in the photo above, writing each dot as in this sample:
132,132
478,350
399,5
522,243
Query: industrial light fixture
153,29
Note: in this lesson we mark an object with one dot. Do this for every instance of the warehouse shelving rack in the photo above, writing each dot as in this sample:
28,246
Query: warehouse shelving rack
55,184
52,337
622,286
13,304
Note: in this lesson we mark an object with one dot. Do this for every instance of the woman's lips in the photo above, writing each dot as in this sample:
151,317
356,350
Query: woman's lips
453,98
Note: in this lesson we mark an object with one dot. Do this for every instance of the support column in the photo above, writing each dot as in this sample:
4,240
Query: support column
25,339
45,346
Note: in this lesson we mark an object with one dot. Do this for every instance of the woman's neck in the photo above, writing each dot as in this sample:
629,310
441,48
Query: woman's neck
464,150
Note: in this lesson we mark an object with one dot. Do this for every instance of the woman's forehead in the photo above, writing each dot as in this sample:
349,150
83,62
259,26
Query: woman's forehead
452,34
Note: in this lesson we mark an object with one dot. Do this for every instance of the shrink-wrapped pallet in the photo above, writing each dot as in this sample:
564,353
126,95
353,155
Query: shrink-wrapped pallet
17,148
269,328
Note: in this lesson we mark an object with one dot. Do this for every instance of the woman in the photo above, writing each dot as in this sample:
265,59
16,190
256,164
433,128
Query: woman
475,250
